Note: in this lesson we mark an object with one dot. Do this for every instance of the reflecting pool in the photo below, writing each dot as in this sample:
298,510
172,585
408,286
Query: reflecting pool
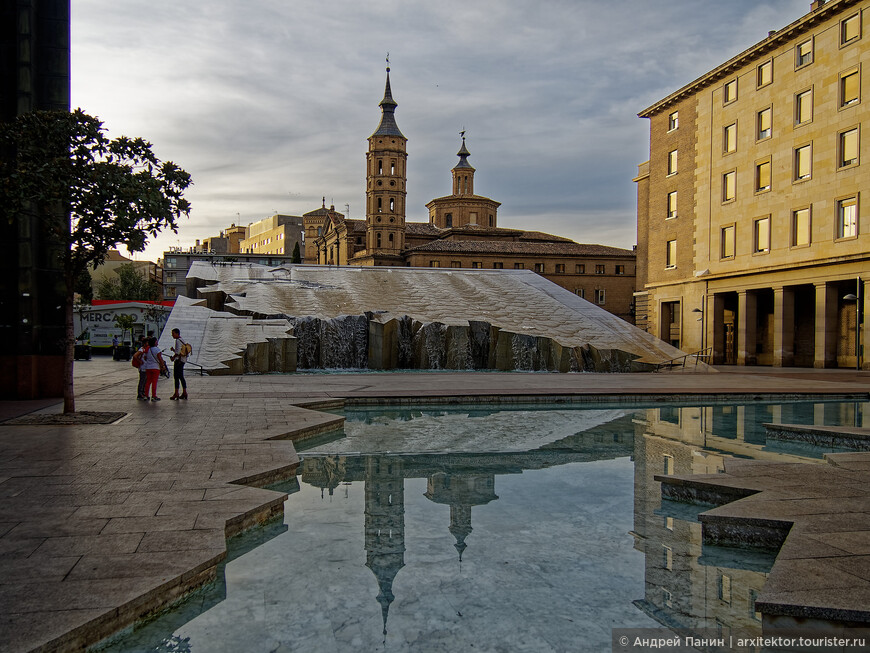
524,528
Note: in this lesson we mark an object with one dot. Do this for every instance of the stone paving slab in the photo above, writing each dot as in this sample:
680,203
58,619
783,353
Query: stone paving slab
817,516
102,524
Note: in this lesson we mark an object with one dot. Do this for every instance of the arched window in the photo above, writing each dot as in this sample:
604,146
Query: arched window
392,205
379,239
379,205
390,239
380,167
393,168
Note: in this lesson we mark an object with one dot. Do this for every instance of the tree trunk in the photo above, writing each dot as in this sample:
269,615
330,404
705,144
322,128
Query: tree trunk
69,401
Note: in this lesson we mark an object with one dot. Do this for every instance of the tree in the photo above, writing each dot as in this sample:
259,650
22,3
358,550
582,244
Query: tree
92,192
129,284
84,287
125,323
297,257
155,314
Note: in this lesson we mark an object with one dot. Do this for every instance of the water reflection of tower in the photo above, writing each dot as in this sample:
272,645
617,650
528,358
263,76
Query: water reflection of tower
461,492
384,525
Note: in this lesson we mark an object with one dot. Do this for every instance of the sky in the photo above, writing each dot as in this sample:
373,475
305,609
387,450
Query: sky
268,103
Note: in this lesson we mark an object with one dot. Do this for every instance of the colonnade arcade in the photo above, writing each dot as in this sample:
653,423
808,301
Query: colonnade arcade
812,324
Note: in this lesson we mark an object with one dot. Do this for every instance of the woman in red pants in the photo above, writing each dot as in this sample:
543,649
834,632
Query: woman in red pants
153,362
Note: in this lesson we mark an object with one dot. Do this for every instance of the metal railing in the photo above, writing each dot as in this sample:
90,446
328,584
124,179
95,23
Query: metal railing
201,369
702,355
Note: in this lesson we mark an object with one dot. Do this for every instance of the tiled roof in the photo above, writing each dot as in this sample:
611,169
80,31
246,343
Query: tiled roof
519,247
422,229
540,235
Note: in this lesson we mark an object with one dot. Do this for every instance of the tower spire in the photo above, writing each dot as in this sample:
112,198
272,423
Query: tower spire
463,153
463,172
388,126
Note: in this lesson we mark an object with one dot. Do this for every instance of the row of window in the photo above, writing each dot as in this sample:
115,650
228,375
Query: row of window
848,147
560,268
802,165
599,298
799,231
847,140
381,167
804,55
268,241
803,112
472,219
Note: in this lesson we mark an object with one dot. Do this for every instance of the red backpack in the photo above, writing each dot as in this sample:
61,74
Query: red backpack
138,358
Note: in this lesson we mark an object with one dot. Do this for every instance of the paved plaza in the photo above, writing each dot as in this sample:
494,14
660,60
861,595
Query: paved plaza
102,524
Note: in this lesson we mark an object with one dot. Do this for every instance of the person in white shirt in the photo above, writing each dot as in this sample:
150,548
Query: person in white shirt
153,361
179,356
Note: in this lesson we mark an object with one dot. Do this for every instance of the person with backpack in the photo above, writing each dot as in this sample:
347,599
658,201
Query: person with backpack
180,351
137,363
153,363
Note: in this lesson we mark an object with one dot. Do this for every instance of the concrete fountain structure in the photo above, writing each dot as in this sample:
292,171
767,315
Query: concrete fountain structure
254,318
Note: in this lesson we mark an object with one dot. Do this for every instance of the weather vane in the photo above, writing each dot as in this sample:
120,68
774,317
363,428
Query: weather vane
462,132
388,62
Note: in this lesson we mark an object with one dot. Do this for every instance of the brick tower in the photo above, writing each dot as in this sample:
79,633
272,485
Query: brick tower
386,175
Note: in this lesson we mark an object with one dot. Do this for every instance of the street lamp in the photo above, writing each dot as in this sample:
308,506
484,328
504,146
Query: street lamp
857,299
701,320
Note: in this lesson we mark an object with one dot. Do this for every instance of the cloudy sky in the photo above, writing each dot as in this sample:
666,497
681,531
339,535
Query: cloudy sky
268,103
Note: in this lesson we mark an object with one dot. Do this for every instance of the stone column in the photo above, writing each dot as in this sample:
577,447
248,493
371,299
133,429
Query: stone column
826,325
865,329
746,327
783,327
715,328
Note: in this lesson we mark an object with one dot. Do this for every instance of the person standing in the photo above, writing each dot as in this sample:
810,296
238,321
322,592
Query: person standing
153,363
180,352
114,347
140,354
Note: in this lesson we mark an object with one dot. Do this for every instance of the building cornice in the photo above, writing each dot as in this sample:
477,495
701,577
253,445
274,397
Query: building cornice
774,40
463,199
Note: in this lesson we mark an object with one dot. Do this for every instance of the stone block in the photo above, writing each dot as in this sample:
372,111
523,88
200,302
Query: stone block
282,354
383,347
344,342
306,330
257,358
429,346
457,348
559,357
480,337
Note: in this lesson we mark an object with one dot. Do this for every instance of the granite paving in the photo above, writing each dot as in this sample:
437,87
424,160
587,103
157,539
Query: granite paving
101,525
816,516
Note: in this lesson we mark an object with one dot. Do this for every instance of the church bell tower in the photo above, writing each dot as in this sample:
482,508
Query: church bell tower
385,186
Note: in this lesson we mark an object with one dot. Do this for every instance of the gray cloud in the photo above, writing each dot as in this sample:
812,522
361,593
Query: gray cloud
268,104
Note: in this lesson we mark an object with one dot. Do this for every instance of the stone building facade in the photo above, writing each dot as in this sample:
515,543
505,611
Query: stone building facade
277,234
462,231
752,235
